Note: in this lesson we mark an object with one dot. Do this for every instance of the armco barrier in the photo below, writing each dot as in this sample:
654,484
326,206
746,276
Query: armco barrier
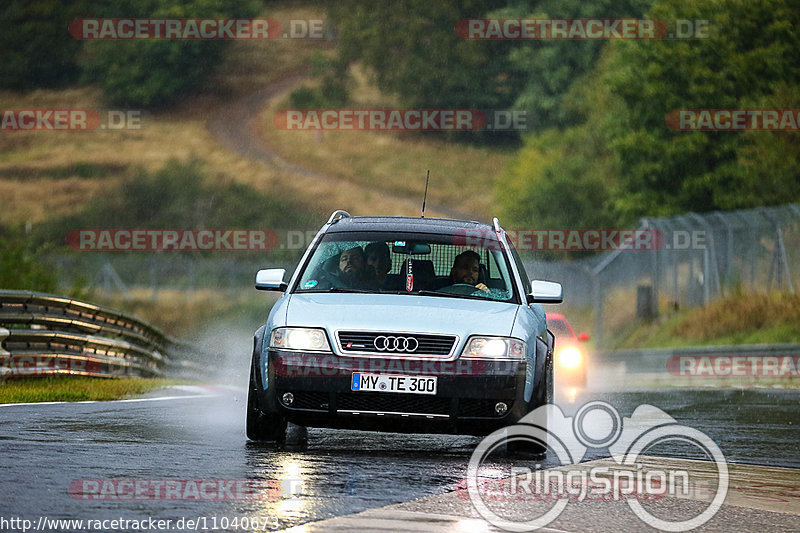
44,335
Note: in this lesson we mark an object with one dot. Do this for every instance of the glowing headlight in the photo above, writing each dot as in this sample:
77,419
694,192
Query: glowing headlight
494,347
569,357
305,339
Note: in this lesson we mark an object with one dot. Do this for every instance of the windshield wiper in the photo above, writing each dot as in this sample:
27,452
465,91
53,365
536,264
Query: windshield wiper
337,289
451,295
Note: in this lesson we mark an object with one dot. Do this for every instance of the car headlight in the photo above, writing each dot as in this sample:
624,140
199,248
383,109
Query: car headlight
304,339
494,347
570,357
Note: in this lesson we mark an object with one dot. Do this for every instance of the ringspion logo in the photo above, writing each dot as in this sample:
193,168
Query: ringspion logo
596,425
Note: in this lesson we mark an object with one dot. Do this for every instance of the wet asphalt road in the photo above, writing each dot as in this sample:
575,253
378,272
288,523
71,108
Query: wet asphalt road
45,448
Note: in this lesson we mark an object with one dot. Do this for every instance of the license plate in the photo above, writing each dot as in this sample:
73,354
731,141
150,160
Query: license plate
393,383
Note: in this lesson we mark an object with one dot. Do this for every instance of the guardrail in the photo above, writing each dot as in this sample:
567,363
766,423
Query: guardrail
44,335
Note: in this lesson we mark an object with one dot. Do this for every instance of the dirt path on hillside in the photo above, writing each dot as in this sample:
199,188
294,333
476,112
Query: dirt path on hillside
237,125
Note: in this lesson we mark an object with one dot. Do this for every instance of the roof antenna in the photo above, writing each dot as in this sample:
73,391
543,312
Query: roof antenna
426,193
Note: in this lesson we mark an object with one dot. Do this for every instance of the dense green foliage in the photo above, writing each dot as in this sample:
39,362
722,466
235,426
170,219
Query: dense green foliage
413,51
599,151
21,267
551,66
155,72
621,161
38,50
30,56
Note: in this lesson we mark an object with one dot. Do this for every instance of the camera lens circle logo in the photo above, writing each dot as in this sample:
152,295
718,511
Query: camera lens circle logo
598,425
385,343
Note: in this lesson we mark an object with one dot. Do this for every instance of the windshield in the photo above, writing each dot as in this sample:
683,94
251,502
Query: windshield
407,263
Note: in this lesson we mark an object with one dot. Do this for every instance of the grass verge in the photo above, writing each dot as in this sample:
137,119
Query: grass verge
76,389
738,319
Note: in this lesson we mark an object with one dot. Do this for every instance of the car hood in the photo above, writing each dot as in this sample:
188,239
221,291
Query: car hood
395,312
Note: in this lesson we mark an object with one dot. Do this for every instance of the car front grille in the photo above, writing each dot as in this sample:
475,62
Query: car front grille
390,343
381,402
317,401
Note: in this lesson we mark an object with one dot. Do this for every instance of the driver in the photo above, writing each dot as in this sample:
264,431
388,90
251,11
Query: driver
466,268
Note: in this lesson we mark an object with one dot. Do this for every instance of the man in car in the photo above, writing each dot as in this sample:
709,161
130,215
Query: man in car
380,261
353,271
466,269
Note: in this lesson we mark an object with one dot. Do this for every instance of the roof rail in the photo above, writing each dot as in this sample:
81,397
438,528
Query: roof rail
337,215
496,224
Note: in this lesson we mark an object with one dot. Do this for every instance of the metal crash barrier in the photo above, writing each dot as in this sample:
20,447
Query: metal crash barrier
46,335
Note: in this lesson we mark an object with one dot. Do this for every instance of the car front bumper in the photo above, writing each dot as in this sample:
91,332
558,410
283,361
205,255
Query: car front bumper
468,391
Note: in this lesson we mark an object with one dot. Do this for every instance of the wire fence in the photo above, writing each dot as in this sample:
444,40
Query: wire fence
695,259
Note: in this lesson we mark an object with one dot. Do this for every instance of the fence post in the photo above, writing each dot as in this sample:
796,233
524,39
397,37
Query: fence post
598,310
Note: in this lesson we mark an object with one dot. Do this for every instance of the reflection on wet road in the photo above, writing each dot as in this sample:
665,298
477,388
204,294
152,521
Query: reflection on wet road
45,448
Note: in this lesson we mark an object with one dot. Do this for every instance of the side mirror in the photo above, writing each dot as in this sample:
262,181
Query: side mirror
271,279
545,292
583,337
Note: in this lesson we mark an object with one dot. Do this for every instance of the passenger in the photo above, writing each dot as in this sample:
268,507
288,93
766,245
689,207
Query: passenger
353,272
466,270
380,260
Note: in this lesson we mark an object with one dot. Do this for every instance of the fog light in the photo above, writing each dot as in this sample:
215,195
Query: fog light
500,408
287,398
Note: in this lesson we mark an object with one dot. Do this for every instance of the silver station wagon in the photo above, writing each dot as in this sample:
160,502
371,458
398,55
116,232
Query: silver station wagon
405,325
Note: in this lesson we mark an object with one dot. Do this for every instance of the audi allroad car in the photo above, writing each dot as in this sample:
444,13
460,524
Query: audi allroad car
405,325
571,356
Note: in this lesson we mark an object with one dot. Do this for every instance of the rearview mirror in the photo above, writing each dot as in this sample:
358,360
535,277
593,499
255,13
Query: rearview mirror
271,279
545,292
411,248
583,337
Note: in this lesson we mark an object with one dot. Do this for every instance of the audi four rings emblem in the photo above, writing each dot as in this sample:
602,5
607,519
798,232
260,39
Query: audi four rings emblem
396,344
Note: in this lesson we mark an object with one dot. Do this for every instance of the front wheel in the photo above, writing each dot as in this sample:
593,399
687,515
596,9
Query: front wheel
543,395
260,426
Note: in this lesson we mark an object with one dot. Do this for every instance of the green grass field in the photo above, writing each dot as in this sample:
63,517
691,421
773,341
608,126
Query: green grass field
76,389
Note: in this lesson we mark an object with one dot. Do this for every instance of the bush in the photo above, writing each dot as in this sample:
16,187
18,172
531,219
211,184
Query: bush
151,73
36,49
21,266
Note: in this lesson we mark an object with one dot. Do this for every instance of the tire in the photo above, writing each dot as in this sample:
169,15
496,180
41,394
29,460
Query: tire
260,426
543,396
